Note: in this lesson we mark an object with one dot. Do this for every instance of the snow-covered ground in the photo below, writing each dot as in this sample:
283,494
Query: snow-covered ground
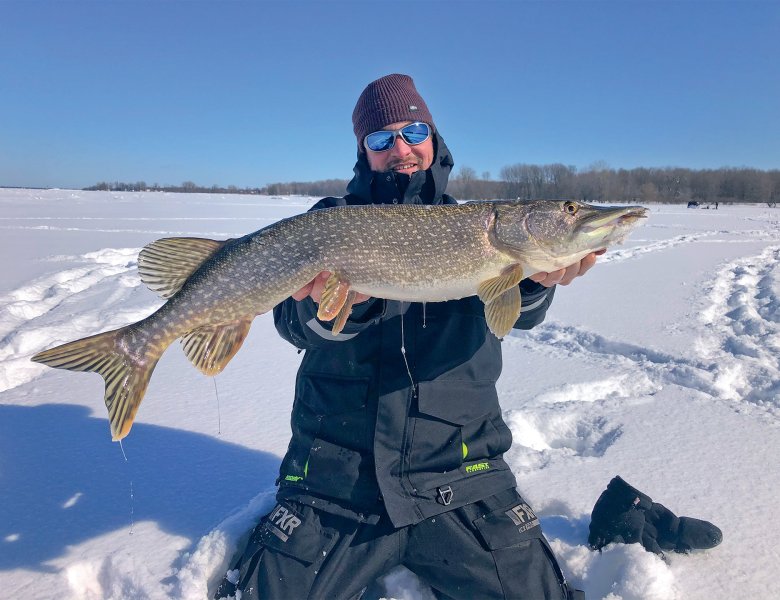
662,365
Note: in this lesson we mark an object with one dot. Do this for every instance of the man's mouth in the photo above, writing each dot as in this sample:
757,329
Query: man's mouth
404,167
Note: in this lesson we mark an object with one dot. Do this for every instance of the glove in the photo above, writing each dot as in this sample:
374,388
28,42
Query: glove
625,515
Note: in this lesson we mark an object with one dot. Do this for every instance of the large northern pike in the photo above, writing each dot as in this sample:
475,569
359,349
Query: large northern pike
398,252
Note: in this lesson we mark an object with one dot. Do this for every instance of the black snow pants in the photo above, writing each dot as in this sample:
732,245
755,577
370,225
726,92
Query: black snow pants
493,548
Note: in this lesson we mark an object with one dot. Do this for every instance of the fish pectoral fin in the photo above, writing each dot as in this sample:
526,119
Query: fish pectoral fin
341,318
334,297
166,264
211,347
490,289
502,312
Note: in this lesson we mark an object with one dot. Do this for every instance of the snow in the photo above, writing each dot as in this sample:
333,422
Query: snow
661,365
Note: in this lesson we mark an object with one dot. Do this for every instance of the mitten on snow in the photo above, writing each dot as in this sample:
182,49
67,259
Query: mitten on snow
623,514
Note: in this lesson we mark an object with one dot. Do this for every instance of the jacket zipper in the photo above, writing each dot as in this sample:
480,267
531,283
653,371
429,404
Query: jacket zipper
405,449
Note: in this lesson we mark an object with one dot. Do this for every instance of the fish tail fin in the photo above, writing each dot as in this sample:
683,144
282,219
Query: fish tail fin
125,364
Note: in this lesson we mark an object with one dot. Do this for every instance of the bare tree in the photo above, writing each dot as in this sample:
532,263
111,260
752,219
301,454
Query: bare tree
466,178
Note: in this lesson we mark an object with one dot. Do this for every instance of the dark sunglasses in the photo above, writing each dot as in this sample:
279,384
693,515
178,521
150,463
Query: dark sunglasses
383,140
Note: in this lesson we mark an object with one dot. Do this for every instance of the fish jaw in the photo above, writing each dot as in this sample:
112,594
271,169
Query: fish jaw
548,235
612,225
582,228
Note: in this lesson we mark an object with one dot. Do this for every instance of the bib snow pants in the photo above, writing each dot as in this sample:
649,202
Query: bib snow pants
491,549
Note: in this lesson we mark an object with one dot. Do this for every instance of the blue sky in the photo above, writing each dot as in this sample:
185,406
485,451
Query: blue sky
249,93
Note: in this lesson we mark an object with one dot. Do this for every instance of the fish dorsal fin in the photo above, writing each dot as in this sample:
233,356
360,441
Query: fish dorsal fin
502,312
334,297
211,347
490,289
166,264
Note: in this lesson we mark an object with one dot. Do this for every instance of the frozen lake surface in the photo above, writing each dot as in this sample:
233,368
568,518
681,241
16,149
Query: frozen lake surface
662,365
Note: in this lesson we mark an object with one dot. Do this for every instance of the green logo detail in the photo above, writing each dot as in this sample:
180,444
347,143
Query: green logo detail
298,477
483,466
465,450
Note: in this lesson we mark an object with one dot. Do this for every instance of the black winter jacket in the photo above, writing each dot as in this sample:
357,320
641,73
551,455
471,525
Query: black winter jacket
399,412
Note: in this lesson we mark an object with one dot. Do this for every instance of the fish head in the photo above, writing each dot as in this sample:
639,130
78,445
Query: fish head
552,234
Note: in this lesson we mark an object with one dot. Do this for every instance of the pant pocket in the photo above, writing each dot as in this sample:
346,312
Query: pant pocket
524,560
294,530
283,554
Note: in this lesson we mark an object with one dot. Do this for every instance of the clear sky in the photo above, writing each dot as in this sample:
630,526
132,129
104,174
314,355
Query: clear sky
250,93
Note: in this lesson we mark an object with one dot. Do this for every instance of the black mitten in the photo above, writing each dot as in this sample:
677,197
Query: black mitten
623,514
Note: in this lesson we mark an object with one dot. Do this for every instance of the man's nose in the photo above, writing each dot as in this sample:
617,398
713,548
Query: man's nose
401,148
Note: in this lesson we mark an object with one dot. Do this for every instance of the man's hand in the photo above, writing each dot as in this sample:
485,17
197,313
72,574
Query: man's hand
314,289
567,275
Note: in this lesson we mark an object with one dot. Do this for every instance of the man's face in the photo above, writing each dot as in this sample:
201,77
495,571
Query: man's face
402,158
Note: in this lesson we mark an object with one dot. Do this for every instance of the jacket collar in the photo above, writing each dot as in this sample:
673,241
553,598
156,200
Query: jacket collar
424,187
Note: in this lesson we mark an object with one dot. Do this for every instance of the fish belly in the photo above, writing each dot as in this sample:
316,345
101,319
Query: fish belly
420,292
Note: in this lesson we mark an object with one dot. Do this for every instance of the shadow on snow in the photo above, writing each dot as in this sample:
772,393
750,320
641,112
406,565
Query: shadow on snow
62,481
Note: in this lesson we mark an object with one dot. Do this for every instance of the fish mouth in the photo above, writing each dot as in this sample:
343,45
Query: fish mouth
611,218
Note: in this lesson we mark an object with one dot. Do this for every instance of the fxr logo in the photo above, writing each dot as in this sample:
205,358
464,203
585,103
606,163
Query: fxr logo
523,517
284,522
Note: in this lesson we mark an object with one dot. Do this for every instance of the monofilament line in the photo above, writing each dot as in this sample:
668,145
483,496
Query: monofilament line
403,346
132,508
219,414
132,497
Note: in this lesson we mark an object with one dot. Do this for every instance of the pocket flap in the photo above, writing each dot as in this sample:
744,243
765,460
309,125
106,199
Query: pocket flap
509,526
331,394
294,531
457,402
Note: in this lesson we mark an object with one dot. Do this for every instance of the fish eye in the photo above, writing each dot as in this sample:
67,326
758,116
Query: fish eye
570,208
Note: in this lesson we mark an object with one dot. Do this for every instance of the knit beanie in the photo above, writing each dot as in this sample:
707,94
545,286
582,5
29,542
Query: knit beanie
389,99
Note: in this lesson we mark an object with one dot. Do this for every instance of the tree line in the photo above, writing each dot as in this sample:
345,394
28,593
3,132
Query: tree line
326,187
597,183
187,186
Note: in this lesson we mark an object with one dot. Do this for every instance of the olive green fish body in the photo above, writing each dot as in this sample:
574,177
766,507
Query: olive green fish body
410,253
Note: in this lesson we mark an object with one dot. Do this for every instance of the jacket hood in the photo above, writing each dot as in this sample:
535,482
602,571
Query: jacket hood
424,187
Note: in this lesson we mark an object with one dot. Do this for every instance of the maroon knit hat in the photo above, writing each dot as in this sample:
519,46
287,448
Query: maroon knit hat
389,99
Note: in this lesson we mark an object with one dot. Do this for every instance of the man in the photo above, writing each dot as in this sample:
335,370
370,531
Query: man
396,452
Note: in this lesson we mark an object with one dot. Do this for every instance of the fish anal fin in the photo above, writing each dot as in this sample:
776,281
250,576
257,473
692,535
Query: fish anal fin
211,347
492,288
334,297
341,318
502,312
164,265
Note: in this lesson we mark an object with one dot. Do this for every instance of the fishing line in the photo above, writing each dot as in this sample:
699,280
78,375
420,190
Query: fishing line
403,345
132,496
132,508
219,413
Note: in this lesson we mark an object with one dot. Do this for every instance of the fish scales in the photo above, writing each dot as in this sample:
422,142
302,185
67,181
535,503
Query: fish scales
398,252
391,248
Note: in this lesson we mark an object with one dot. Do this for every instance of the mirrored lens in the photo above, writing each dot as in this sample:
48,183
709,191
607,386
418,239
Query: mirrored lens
380,141
416,133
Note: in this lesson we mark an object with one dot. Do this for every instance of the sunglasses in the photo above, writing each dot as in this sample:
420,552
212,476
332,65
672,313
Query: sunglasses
383,140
